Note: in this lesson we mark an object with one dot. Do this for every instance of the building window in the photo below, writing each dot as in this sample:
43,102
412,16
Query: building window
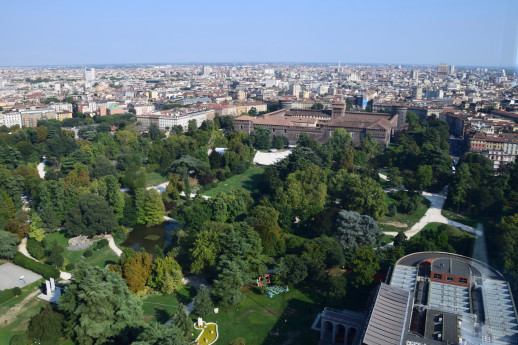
437,276
463,280
450,279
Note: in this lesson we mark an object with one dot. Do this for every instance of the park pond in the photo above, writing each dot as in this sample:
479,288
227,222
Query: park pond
148,237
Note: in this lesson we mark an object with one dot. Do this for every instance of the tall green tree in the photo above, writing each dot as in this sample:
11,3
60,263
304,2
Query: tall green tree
182,320
166,275
8,245
98,306
365,264
203,305
154,207
227,288
90,216
46,327
364,195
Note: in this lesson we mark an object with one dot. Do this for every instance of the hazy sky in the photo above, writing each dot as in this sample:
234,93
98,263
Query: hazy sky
459,32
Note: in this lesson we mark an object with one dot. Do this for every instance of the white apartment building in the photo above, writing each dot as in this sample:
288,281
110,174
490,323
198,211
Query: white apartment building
11,119
61,106
169,121
89,74
141,109
295,90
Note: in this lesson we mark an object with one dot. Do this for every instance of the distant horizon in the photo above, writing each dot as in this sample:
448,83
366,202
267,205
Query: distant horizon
224,63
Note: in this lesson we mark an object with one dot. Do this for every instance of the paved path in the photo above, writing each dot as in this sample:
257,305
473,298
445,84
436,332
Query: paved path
113,246
41,168
22,248
159,187
433,215
16,310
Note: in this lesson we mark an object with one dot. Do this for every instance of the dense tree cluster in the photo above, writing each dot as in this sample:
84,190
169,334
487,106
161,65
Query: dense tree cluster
421,155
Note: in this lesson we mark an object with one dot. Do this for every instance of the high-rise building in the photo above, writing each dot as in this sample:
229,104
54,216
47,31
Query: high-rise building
417,92
452,69
89,74
295,90
207,70
443,70
415,75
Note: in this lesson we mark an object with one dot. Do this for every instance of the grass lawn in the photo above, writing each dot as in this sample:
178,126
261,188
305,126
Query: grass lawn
99,258
208,333
460,218
450,230
248,180
30,309
152,179
408,219
258,319
385,239
162,307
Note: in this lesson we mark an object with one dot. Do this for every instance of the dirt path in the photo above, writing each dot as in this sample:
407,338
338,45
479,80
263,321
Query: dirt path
16,310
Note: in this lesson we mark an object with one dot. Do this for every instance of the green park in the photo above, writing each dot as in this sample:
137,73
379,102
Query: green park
147,232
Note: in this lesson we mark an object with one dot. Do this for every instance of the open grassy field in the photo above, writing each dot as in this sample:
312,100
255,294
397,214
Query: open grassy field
248,180
99,258
152,179
259,319
407,219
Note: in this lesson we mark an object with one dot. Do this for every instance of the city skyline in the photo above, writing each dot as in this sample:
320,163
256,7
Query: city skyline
464,33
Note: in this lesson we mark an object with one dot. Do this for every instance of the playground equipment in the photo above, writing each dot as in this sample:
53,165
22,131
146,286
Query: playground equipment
263,281
275,290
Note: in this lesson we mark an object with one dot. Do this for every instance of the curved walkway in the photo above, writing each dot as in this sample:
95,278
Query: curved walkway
22,248
433,215
113,246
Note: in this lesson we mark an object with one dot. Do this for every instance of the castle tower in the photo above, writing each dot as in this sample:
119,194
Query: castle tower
338,106
400,110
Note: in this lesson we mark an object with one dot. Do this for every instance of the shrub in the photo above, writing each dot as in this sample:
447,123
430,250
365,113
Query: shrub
6,295
70,267
17,291
46,271
88,253
392,210
101,244
35,248
19,339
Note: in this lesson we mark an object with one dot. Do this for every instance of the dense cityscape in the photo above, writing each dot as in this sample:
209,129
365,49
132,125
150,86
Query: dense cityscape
259,203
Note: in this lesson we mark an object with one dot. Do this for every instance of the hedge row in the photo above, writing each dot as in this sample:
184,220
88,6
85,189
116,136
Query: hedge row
35,248
45,270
